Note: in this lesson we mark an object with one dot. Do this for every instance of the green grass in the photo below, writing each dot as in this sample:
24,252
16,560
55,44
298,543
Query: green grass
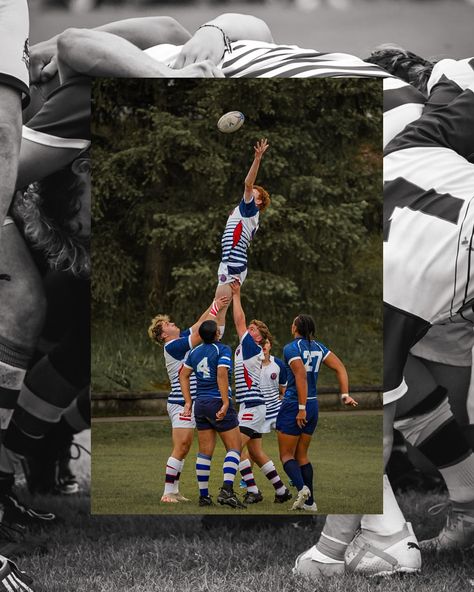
129,459
190,554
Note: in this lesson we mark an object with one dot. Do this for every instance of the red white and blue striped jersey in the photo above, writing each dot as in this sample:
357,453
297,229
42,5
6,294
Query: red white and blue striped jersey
248,366
204,360
258,59
242,224
429,202
311,353
176,352
272,376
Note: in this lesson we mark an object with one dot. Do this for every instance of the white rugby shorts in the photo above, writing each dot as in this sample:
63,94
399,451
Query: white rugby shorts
253,417
178,420
225,278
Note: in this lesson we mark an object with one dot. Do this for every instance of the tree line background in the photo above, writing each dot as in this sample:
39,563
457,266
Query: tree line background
165,180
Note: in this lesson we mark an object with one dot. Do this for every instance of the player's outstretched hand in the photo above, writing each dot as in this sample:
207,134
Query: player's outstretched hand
221,302
43,61
349,401
207,43
261,147
235,287
199,70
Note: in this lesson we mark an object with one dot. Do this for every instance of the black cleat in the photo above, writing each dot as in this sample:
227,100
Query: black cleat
253,498
227,497
205,500
284,497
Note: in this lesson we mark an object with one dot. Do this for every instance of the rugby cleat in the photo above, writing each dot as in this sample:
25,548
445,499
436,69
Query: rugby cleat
180,497
283,497
227,497
458,532
303,495
13,579
310,507
169,498
205,500
253,498
313,564
376,555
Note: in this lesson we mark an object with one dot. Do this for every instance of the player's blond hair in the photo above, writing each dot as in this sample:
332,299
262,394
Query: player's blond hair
264,330
155,329
264,196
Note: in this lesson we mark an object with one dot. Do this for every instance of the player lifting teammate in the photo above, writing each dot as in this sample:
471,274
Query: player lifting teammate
211,363
177,345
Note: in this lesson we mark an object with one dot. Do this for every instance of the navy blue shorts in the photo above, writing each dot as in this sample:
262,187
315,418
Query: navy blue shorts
286,420
205,409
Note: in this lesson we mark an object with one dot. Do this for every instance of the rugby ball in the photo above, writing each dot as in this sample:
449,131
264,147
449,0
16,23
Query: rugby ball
230,122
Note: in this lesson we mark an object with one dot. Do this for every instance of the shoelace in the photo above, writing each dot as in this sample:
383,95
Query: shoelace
438,508
79,448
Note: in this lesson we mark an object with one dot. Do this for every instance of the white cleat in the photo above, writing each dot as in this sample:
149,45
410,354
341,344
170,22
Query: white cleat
315,565
458,532
303,495
310,507
180,497
375,555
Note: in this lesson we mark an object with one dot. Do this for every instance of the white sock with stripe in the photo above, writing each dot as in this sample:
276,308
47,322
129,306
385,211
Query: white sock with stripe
231,464
173,467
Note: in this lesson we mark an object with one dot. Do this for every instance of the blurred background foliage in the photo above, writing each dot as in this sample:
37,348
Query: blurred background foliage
165,180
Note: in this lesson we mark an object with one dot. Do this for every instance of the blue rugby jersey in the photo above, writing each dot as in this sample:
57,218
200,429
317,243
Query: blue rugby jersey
311,353
204,360
248,366
240,229
176,352
272,376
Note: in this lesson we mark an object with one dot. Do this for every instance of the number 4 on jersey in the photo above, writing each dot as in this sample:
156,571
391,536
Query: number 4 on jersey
203,367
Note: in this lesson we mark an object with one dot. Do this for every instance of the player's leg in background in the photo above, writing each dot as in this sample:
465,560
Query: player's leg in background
21,320
427,422
268,468
182,440
221,291
207,444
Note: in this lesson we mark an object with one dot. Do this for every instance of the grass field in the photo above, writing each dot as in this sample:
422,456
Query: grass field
187,554
129,458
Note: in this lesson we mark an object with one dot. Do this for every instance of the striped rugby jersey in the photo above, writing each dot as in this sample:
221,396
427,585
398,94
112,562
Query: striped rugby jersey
204,361
311,353
240,229
176,352
429,202
258,59
272,376
248,366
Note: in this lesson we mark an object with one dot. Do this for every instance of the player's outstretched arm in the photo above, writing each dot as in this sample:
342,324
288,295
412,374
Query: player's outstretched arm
142,32
333,362
185,383
210,314
260,148
238,311
210,41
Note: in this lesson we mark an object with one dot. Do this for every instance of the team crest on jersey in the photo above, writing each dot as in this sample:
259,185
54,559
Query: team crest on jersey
26,54
273,375
223,278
